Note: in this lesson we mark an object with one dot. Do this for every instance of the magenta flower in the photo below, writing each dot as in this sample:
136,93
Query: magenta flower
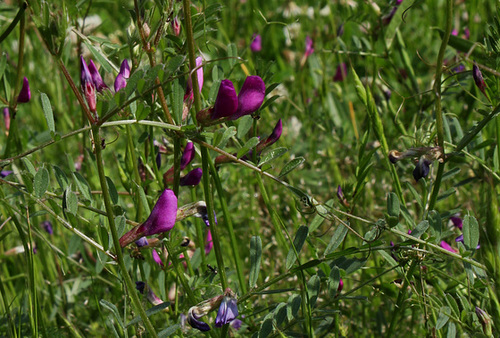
228,311
157,258
256,45
457,221
309,46
5,173
6,118
478,78
161,219
25,94
125,69
341,285
226,102
192,178
96,77
210,243
123,75
448,247
88,86
341,73
187,157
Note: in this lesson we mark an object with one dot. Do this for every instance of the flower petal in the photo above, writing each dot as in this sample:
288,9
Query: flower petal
251,96
226,102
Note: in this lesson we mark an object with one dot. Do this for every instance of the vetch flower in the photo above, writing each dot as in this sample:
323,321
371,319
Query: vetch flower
228,311
176,26
87,84
341,73
25,94
187,157
341,285
157,258
309,46
256,45
448,247
236,324
461,239
143,241
226,102
202,309
125,69
210,243
161,219
5,173
485,320
151,296
123,75
192,178
193,319
478,78
421,169
47,226
457,221
96,77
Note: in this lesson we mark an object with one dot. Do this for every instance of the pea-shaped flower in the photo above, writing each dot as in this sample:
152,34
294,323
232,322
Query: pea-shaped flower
25,94
88,86
161,219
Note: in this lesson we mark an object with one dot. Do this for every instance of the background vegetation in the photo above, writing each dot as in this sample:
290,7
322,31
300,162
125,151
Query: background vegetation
367,92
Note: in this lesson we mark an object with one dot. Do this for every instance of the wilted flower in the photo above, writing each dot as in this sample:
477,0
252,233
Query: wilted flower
6,118
256,45
421,169
152,298
485,320
228,311
478,78
87,84
341,73
192,178
96,77
193,319
157,258
176,26
47,226
161,219
448,247
25,94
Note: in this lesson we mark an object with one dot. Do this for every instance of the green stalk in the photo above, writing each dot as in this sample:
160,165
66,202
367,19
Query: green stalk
19,16
137,176
438,107
230,229
116,241
20,59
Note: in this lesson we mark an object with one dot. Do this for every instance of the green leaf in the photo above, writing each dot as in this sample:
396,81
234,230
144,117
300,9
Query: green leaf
112,190
47,110
149,313
320,216
169,330
436,225
232,53
70,201
255,257
333,281
114,310
452,330
228,133
101,59
247,146
244,125
313,286
267,326
272,155
83,186
174,64
420,229
291,166
29,166
470,229
280,313
178,100
337,239
293,306
393,205
360,88
61,177
3,64
41,182
298,242
444,316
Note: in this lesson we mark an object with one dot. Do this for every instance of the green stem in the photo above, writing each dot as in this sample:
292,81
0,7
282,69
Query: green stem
19,15
116,241
137,176
20,59
438,107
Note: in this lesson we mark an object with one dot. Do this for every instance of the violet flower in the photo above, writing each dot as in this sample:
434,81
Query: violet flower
47,226
161,219
232,107
228,311
192,178
6,118
25,94
157,258
341,285
143,241
421,169
309,47
5,173
341,73
210,243
448,247
256,45
236,324
96,77
125,69
87,84
461,239
457,221
123,75
193,319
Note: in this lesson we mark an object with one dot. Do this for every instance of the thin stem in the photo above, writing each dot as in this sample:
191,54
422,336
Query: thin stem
114,233
20,58
438,107
14,22
137,176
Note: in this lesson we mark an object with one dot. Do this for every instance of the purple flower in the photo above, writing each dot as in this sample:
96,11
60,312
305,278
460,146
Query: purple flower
140,286
87,84
340,194
176,26
457,221
461,239
187,157
341,285
161,219
236,324
25,94
256,45
125,69
228,311
143,241
47,226
226,102
152,298
485,320
309,47
421,169
96,77
6,118
123,75
448,247
5,173
157,258
192,178
193,320
478,78
210,243
341,73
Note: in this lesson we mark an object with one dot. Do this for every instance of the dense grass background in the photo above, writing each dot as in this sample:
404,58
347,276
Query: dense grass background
285,236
